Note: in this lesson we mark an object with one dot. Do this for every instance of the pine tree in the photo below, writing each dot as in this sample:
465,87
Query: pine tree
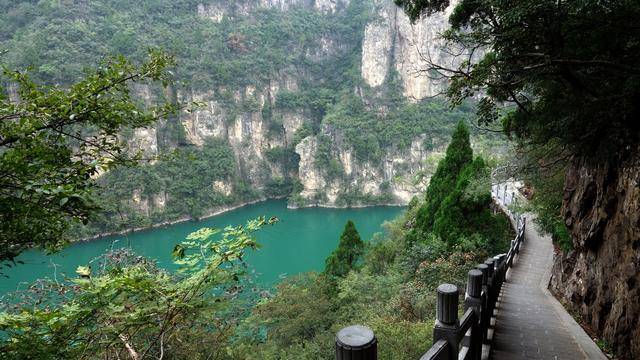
466,210
349,250
443,181
457,204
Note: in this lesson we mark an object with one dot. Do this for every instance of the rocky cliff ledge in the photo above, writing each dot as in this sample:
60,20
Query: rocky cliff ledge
256,125
600,278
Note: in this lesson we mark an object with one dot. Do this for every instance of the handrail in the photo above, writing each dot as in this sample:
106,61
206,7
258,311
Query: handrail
463,339
439,351
468,319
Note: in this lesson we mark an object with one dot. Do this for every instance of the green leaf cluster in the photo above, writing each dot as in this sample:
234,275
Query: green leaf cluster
175,185
129,306
55,141
570,69
391,290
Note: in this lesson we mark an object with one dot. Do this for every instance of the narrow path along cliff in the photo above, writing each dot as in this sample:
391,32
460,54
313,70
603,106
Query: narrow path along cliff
530,322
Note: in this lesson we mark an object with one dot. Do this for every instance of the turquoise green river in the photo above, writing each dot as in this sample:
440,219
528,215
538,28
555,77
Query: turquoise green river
298,243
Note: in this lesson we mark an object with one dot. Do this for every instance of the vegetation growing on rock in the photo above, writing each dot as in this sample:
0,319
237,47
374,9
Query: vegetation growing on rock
199,310
250,71
55,141
571,78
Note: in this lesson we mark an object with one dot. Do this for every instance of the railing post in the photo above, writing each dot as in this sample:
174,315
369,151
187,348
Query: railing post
490,268
500,270
484,319
446,327
491,294
484,269
356,342
473,300
491,283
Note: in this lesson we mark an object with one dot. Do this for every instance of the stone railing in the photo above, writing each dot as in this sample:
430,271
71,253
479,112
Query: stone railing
469,337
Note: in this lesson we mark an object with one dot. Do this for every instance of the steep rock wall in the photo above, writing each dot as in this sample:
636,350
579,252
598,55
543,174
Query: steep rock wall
393,179
217,11
392,42
600,278
389,43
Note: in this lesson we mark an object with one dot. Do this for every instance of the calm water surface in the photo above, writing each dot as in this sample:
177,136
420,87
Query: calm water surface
298,243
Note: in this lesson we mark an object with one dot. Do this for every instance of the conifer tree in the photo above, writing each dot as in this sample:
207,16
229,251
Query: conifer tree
443,181
457,205
344,258
466,210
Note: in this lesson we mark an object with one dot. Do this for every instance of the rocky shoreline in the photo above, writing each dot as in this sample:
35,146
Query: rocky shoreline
222,210
218,211
328,206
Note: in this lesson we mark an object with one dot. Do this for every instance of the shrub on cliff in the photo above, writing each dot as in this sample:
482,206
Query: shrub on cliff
54,142
127,305
459,154
464,209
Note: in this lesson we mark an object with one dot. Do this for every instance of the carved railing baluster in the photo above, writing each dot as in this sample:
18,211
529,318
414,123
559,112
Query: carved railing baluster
446,327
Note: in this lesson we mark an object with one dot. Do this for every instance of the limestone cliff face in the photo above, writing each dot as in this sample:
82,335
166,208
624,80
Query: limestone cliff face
392,42
217,10
600,278
389,42
393,179
249,134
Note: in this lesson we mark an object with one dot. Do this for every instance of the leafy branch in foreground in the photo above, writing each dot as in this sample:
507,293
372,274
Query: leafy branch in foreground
54,141
132,308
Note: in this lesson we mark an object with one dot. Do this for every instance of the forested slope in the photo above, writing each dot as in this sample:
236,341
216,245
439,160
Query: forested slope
317,101
570,70
123,304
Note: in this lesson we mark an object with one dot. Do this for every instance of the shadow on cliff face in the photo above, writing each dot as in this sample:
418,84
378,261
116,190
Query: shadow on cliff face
599,278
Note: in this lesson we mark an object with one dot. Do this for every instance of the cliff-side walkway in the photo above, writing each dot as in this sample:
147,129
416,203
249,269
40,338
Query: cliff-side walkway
530,322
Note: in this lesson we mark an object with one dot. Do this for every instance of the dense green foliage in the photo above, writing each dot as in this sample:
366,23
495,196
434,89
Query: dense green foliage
246,48
196,313
466,208
392,291
345,257
544,175
547,202
458,155
54,141
458,199
182,182
568,71
570,68
560,76
243,49
250,46
370,133
128,307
